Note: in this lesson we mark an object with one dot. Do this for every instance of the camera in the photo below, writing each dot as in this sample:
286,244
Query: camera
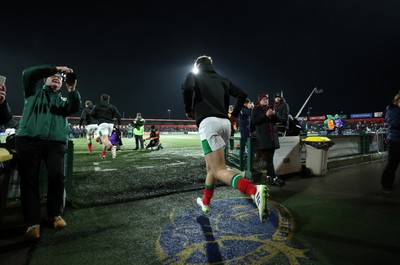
137,123
70,78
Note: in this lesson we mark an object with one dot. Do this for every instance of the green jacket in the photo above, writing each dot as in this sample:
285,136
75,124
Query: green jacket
45,112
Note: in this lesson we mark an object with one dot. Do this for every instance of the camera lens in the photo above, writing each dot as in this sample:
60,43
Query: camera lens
70,78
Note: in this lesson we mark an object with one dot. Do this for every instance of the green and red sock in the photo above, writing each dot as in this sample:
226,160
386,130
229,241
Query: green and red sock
242,184
208,193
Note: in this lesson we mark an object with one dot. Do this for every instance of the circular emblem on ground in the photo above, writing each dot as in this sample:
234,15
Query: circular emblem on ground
231,234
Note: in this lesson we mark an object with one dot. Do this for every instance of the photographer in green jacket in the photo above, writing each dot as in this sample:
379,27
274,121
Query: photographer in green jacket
42,135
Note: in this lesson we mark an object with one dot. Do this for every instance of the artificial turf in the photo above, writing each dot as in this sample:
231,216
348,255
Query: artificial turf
135,174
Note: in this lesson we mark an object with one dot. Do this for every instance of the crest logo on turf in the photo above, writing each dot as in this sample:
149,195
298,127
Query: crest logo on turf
231,234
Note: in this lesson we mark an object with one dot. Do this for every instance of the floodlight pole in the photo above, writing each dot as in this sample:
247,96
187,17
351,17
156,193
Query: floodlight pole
305,103
169,114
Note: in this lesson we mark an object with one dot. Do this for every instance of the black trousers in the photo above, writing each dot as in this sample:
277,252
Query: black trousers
389,172
30,153
139,139
152,143
269,160
244,135
232,142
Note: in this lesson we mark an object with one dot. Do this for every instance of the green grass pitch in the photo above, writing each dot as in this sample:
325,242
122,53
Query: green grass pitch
136,174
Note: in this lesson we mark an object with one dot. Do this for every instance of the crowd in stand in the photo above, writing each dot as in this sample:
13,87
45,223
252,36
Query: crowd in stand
349,127
77,132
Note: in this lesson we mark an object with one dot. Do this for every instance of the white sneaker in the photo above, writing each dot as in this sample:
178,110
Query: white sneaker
114,151
260,199
204,208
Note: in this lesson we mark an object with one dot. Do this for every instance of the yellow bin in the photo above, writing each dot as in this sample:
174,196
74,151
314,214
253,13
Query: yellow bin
5,155
317,154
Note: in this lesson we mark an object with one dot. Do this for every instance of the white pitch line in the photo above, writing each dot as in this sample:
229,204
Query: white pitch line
177,164
98,169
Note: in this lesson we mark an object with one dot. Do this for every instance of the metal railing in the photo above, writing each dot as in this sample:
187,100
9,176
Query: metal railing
245,158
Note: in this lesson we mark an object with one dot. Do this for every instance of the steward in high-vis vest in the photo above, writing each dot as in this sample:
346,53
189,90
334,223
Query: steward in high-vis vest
329,124
138,131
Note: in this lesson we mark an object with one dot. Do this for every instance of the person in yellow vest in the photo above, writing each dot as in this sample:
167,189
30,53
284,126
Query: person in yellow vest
329,124
138,131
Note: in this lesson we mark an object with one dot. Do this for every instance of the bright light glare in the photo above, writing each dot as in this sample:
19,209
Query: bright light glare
195,69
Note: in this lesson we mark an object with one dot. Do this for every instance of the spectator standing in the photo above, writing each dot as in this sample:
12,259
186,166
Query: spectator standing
206,99
329,124
338,124
244,122
265,119
281,107
392,120
42,135
233,127
105,113
130,131
138,131
91,124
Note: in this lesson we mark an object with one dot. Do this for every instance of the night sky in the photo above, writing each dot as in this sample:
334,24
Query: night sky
140,53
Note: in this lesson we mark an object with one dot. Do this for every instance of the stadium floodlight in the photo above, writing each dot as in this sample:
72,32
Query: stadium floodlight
315,90
195,69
